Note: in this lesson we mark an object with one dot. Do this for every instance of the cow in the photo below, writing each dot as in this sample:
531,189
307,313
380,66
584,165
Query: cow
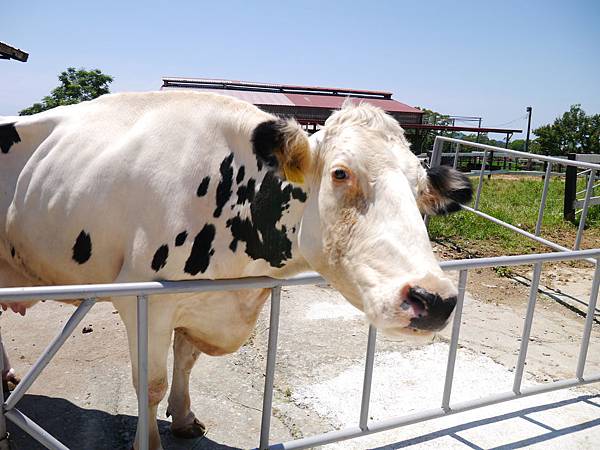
185,185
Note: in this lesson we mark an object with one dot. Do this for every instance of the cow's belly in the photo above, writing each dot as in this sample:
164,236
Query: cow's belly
219,323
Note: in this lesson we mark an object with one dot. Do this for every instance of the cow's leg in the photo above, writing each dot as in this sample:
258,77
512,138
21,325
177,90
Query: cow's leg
160,316
9,378
185,425
9,277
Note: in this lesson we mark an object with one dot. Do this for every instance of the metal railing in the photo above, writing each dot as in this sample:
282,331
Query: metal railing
363,426
550,160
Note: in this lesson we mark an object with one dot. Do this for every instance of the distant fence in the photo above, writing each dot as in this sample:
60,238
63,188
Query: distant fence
498,161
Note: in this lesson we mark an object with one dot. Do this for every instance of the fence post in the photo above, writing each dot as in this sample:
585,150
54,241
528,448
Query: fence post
570,190
265,425
3,434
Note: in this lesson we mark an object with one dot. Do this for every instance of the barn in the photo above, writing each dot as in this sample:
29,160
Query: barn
309,105
312,105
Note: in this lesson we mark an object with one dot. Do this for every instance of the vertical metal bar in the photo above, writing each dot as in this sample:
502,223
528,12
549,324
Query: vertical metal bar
436,153
589,321
142,375
49,353
265,425
540,219
480,185
455,163
366,392
462,283
586,204
3,435
535,281
436,157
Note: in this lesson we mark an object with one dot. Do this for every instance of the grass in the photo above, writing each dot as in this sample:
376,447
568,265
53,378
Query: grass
514,200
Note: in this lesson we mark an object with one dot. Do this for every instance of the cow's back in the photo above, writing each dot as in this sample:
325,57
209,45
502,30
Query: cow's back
100,185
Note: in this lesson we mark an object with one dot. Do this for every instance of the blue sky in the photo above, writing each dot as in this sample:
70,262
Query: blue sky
480,58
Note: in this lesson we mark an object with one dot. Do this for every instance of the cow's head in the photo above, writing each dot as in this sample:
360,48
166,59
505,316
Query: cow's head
362,227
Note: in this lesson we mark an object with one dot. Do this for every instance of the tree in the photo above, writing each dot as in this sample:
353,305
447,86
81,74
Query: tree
573,132
519,145
76,86
483,139
432,118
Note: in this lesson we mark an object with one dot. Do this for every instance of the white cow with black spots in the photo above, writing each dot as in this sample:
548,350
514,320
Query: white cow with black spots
178,185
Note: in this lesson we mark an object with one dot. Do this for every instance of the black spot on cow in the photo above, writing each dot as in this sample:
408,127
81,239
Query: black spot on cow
8,136
224,188
246,192
82,250
160,258
293,230
203,187
240,175
298,194
12,251
264,240
180,239
199,258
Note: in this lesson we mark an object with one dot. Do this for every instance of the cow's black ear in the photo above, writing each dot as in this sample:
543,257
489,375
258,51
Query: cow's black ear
282,146
445,190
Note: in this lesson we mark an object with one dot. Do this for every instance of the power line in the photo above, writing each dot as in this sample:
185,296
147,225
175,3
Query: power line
523,117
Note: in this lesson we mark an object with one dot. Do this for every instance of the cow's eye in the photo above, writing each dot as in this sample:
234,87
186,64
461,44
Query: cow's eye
340,174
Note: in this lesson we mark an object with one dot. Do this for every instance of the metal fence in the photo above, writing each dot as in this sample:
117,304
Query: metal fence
363,425
550,163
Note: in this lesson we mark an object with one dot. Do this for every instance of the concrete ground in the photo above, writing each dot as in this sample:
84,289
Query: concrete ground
86,400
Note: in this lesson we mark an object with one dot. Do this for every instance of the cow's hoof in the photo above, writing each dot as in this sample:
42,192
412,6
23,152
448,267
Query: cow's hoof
9,383
192,431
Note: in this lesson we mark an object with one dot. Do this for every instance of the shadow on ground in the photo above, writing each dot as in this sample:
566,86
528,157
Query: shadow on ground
80,428
552,433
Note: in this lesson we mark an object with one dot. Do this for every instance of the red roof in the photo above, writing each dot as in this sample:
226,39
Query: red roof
291,95
335,102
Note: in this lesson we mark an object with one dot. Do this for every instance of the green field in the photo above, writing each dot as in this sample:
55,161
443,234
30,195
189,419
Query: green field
514,200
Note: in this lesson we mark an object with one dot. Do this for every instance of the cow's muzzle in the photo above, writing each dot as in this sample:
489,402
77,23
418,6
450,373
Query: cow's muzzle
431,312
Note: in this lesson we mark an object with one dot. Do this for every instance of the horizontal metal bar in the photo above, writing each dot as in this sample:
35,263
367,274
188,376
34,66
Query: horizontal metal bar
517,229
525,173
593,201
174,287
518,260
384,425
564,162
34,430
152,287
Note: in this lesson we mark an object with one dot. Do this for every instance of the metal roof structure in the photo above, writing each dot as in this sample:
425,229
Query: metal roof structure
463,128
9,52
312,105
308,104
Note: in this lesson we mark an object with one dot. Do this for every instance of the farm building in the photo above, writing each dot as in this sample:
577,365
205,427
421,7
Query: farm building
312,105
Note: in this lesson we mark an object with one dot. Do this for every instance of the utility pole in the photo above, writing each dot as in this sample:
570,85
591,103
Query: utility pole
528,128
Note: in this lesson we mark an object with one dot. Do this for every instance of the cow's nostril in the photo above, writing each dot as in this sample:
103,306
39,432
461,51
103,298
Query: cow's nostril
417,302
431,311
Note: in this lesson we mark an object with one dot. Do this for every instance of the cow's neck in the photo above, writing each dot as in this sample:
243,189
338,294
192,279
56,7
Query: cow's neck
264,222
